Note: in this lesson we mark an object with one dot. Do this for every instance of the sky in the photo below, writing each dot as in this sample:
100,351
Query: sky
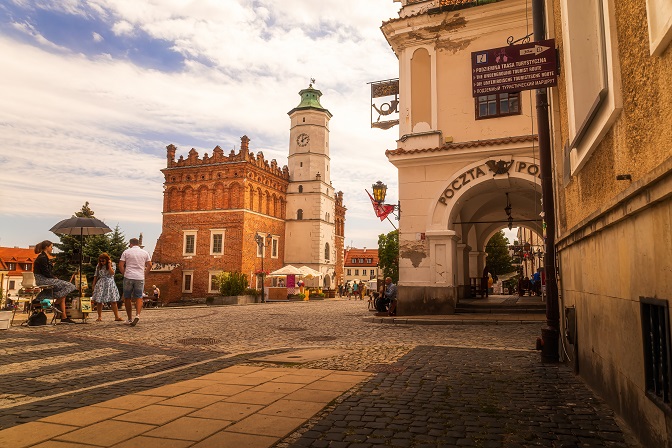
92,91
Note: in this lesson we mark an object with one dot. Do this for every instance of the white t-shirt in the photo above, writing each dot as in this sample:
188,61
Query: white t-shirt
135,260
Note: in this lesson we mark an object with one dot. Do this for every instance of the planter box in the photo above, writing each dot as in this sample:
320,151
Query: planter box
234,300
5,319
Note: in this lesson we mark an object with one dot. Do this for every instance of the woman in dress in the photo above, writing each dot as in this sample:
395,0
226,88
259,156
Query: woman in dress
43,276
104,288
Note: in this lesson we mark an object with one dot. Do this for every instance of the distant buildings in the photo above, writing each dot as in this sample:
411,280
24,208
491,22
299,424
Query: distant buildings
360,265
13,262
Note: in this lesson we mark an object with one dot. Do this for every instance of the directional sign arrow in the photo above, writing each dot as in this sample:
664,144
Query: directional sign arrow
538,49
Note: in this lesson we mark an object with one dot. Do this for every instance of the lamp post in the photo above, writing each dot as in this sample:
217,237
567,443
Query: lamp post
379,192
260,244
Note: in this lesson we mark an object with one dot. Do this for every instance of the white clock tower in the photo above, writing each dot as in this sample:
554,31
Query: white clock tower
310,230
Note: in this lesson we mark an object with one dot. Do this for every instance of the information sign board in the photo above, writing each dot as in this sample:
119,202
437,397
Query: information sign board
514,68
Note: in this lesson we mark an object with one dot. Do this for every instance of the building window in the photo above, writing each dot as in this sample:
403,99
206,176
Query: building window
592,75
356,271
656,336
660,25
27,267
214,283
11,266
189,243
300,188
187,281
261,248
274,247
498,105
216,241
361,260
354,261
12,284
299,214
363,272
349,272
373,274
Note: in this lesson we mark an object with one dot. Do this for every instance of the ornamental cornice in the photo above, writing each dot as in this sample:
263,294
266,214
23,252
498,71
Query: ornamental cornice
460,25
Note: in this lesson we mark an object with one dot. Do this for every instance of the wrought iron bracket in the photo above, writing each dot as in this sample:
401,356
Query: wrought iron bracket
525,39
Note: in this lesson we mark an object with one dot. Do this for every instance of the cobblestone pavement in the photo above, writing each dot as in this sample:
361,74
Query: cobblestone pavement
435,385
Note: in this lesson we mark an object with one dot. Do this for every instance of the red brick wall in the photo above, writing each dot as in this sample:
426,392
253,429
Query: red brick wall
240,193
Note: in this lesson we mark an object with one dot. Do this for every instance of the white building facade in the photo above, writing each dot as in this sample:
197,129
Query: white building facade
310,231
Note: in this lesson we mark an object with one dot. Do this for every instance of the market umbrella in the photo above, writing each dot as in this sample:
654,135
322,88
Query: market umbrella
286,270
81,225
309,272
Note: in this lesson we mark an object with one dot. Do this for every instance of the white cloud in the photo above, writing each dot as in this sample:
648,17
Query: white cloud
97,37
90,127
122,28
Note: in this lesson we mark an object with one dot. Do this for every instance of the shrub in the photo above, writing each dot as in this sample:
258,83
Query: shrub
252,292
232,283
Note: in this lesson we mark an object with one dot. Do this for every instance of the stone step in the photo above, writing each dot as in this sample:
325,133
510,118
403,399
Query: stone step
482,309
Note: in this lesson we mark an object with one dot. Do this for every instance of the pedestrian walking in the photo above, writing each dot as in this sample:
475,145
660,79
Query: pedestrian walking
44,276
134,263
104,289
157,295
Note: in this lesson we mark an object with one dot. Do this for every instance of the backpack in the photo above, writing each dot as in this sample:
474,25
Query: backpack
37,319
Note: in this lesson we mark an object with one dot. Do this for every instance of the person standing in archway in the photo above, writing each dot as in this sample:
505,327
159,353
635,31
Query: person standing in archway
484,281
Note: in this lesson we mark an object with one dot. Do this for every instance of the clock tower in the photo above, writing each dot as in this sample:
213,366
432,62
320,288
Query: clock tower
310,230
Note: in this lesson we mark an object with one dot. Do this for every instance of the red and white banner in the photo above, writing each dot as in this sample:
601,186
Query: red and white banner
381,210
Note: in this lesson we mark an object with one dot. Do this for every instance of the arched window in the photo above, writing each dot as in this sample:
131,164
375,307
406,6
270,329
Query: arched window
299,214
326,251
300,188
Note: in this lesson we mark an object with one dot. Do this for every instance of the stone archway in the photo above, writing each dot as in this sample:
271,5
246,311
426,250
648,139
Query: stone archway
471,208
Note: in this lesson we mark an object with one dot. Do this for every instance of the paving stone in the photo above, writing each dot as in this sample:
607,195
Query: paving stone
484,383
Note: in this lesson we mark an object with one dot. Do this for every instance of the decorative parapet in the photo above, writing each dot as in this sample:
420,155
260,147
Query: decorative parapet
339,199
218,157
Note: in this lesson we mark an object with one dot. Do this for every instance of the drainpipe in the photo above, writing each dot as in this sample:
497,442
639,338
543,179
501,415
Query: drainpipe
549,341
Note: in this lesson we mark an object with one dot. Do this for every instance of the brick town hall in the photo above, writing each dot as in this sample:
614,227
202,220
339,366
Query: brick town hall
215,205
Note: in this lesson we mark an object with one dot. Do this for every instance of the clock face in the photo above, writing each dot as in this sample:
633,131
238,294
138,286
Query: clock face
302,139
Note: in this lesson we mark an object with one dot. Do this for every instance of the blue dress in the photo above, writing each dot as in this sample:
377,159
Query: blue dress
106,290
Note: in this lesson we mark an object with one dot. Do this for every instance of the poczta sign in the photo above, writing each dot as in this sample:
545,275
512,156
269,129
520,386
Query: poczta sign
496,167
514,68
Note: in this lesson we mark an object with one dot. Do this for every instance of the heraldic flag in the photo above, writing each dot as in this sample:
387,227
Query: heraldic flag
381,210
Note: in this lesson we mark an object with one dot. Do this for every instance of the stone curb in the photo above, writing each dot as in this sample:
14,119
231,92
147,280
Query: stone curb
402,321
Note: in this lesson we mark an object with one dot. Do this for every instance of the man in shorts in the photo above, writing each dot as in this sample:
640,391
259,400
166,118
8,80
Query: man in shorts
134,263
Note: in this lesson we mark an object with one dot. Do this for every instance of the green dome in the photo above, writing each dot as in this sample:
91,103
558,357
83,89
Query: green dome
310,99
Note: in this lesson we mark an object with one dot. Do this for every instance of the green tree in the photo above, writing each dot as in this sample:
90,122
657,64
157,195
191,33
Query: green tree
499,261
388,254
85,212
